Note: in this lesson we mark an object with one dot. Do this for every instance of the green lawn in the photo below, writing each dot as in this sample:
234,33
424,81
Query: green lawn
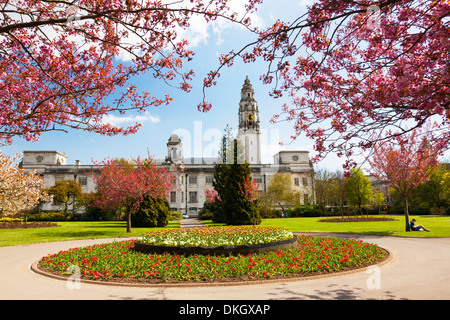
72,231
440,227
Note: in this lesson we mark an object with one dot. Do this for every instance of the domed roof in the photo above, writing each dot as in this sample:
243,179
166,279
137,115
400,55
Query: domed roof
174,139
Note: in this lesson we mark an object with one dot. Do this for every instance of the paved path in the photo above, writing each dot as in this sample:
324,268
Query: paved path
191,223
419,270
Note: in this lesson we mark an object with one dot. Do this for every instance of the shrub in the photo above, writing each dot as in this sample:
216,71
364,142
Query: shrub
305,211
48,216
210,211
419,211
176,215
206,215
267,212
152,213
97,214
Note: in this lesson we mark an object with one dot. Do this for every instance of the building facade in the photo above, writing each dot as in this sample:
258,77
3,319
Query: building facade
189,194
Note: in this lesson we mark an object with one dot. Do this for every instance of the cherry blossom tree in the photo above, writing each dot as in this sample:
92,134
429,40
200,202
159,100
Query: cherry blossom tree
123,185
19,190
249,188
352,67
211,195
61,60
404,162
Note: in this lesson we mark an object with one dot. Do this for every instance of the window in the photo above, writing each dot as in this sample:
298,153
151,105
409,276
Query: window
258,179
173,196
82,181
305,181
192,196
296,182
209,179
192,180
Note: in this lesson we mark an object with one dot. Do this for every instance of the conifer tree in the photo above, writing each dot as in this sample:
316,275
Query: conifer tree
235,208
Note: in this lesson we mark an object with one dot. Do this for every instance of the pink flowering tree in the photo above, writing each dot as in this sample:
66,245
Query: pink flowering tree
404,162
122,185
249,188
62,61
352,67
211,195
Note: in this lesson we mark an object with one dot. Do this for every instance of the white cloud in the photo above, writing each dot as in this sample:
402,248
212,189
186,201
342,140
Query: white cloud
199,29
117,120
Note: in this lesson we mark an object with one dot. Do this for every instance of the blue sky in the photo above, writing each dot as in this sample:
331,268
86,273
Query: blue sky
200,131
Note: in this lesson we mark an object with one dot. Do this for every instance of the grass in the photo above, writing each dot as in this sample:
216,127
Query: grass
440,226
73,231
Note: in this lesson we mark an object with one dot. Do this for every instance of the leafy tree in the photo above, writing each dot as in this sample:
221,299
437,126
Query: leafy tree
378,199
358,189
323,180
432,193
281,191
336,193
67,192
405,163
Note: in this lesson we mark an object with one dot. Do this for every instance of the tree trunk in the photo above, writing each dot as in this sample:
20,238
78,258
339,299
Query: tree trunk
406,214
129,222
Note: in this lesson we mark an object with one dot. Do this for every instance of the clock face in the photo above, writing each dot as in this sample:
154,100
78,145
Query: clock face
251,117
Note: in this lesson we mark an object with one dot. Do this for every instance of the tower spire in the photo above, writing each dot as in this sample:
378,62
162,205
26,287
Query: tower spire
249,133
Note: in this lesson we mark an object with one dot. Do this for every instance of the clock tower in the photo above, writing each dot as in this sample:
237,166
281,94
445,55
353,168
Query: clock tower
249,131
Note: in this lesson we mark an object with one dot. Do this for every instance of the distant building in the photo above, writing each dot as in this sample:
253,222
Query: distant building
198,174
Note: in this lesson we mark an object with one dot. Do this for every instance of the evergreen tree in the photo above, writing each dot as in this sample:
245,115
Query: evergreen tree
152,212
235,208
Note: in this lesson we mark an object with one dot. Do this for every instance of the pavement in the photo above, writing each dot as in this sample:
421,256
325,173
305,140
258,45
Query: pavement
418,269
191,223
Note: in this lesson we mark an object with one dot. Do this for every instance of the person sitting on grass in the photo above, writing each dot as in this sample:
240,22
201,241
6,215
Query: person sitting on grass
419,227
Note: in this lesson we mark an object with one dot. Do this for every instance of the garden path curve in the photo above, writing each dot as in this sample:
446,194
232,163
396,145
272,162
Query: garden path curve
418,270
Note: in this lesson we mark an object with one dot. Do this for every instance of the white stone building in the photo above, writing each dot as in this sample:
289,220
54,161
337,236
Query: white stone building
198,173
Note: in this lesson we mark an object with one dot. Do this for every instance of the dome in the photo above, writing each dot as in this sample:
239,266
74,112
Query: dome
174,139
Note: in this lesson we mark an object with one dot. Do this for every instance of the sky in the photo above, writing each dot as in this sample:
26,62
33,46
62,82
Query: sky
200,132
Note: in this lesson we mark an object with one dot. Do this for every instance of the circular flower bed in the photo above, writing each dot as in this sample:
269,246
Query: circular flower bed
118,262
